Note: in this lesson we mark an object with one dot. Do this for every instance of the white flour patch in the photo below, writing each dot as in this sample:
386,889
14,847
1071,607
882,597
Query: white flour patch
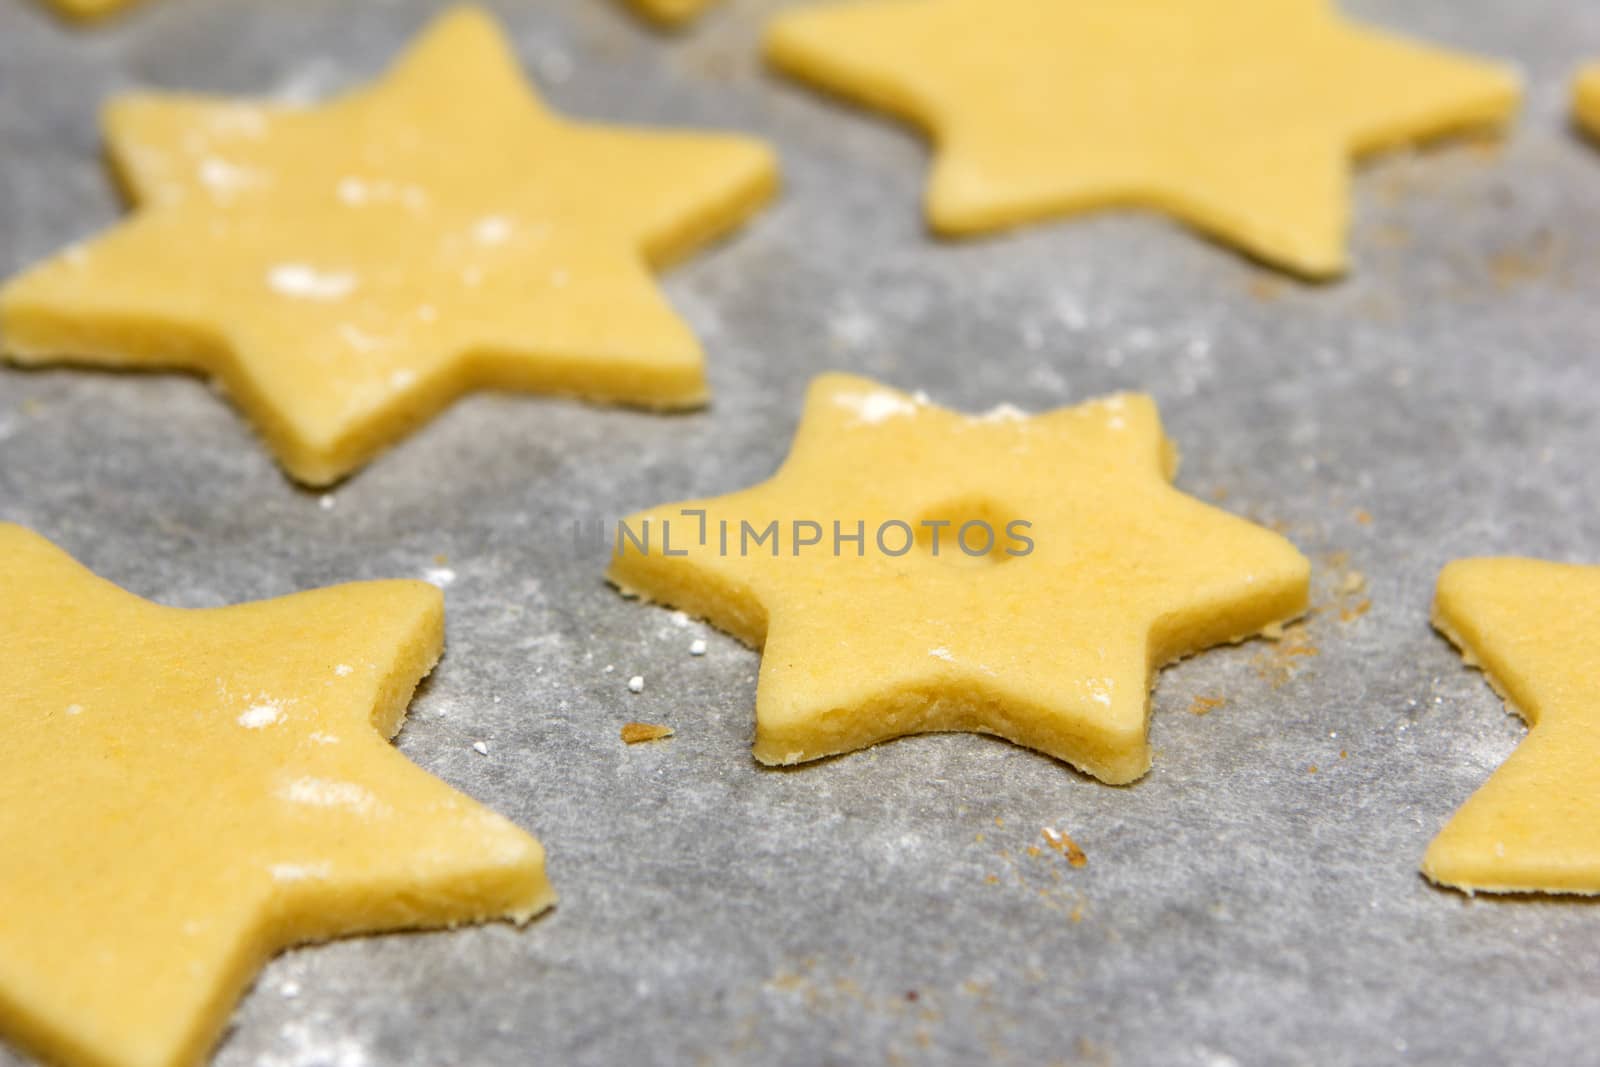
305,282
261,715
299,872
328,793
876,406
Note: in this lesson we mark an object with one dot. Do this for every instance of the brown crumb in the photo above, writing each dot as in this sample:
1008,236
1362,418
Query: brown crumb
1265,287
1058,840
1363,516
635,732
992,879
1311,769
1205,705
1343,754
1033,850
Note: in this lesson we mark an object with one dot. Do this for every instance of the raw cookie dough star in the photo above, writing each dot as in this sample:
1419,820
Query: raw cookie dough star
1586,100
671,12
1053,646
89,9
183,793
1534,629
346,271
1237,116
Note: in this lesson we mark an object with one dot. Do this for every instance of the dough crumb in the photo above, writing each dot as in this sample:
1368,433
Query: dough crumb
1205,705
634,733
1058,840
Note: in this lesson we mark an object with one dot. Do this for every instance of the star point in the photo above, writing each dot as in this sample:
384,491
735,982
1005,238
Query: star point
1023,576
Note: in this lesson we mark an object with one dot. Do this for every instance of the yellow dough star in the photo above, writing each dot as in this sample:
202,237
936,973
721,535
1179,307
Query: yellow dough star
1237,116
1534,629
1586,100
185,792
346,271
1094,572
89,9
671,12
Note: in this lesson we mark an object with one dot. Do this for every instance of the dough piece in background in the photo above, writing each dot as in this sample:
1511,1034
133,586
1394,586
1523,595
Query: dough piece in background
183,793
670,13
1586,100
1533,628
1015,575
1239,117
348,270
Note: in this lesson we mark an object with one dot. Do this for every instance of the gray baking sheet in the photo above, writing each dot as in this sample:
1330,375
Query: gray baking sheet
883,907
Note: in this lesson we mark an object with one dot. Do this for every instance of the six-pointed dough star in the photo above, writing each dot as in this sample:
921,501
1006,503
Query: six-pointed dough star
1238,116
1586,100
671,12
183,793
909,629
348,270
89,9
1534,629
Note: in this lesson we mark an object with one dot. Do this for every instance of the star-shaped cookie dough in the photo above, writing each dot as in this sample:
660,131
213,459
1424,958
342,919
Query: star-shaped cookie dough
1534,629
89,9
346,271
1094,572
1586,100
1237,116
183,793
671,12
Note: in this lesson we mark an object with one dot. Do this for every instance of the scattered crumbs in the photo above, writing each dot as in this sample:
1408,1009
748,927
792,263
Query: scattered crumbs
1205,705
1311,769
1033,850
343,670
439,576
480,747
1363,517
325,501
609,667
1278,662
634,733
697,647
991,879
1062,843
979,838
998,821
1353,582
636,684
1077,913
